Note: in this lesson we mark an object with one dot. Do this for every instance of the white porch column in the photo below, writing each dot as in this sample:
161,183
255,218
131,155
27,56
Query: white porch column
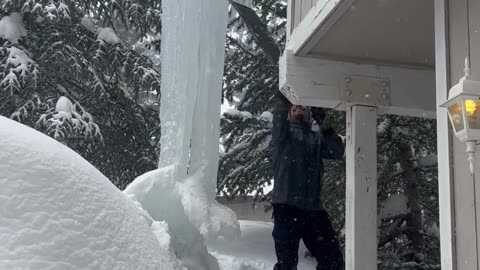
444,141
361,192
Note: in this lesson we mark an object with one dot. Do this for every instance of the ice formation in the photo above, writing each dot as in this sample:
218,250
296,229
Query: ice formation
182,191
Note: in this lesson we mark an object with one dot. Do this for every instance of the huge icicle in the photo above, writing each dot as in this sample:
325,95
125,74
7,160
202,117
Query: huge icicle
192,68
193,38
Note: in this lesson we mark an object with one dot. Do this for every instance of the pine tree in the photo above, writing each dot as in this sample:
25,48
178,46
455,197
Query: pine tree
250,83
67,73
407,168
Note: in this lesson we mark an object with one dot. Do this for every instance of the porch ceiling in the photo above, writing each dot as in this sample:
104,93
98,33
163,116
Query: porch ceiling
378,31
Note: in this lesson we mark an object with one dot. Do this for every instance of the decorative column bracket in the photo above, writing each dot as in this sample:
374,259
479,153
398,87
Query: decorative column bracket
365,91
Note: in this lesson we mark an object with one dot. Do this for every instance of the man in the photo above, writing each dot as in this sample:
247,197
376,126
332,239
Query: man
298,154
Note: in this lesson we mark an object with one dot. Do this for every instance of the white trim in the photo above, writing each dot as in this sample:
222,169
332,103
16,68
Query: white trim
361,191
320,82
316,24
290,19
444,140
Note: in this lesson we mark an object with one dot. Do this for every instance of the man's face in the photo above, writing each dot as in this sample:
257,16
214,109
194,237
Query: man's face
299,113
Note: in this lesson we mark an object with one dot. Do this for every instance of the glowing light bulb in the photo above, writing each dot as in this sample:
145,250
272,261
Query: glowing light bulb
470,107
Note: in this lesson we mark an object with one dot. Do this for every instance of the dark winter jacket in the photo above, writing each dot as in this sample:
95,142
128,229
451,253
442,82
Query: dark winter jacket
298,154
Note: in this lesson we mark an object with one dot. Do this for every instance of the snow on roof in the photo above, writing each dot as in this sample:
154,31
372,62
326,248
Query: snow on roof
11,27
108,35
58,211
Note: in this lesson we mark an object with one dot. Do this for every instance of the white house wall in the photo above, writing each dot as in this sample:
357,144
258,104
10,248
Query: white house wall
466,234
460,203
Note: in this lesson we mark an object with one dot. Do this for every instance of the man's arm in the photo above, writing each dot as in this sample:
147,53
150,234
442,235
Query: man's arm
332,144
333,147
281,125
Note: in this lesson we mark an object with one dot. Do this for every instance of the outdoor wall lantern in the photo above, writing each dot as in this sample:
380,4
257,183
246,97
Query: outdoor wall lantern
463,106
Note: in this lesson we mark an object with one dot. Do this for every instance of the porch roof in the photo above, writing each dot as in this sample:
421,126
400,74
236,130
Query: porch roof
389,40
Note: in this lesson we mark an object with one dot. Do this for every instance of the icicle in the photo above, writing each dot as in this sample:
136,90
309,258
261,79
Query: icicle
193,47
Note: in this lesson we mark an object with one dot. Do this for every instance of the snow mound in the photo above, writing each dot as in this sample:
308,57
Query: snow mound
11,27
211,218
160,198
59,212
393,206
108,35
162,233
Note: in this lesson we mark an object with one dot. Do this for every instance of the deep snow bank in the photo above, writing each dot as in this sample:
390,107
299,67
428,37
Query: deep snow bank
59,212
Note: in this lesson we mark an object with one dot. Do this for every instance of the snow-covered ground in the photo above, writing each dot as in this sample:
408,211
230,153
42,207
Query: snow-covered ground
254,250
59,212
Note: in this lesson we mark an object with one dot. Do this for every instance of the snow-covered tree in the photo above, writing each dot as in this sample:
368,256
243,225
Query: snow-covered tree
250,84
65,70
408,190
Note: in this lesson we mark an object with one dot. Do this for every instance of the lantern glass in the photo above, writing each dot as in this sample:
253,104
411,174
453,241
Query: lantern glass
472,110
456,116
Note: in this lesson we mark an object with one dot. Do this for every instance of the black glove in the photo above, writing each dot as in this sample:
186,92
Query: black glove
318,114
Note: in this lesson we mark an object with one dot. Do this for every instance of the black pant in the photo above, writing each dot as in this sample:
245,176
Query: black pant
292,224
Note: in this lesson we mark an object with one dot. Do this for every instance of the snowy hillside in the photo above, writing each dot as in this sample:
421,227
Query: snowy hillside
59,212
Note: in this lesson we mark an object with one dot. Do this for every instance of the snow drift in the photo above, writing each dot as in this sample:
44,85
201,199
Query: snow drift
59,212
160,199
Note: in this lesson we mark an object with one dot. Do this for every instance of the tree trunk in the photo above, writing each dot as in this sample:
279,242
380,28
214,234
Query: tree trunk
414,217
